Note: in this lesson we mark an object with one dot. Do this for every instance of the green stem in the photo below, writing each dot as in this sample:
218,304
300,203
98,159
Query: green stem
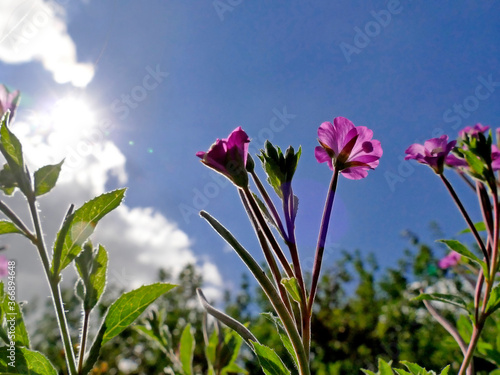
269,203
269,235
54,287
17,222
269,289
273,266
83,343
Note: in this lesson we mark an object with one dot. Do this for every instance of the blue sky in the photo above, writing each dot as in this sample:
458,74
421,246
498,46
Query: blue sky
278,69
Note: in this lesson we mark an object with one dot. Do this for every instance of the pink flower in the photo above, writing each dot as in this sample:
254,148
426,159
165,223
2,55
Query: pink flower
433,152
472,130
229,157
8,101
348,148
4,264
450,260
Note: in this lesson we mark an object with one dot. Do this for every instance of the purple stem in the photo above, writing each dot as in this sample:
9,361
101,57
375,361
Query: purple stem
466,217
322,237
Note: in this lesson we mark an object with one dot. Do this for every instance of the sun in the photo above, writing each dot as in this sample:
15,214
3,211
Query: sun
72,115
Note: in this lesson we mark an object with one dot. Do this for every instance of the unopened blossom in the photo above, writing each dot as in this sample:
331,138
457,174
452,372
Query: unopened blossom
229,157
432,153
473,130
348,148
449,260
8,101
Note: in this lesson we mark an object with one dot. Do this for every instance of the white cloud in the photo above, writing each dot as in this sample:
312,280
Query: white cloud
36,30
139,240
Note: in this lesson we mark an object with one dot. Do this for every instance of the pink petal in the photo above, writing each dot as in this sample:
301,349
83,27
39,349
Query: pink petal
322,156
355,173
414,150
326,135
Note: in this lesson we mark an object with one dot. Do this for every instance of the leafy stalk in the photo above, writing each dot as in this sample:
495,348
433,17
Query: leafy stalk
54,287
269,289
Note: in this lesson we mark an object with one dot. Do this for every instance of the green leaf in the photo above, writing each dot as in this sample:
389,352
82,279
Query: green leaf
292,287
282,334
446,298
8,227
474,162
11,147
269,361
480,227
462,250
7,180
211,348
46,178
13,316
26,362
494,301
92,266
384,368
81,225
186,350
414,368
402,372
129,306
446,369
233,368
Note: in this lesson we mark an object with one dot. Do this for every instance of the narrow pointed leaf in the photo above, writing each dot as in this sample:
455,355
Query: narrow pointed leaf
236,326
480,227
494,301
186,350
384,368
269,361
82,225
26,362
414,368
46,178
129,306
445,370
92,267
462,250
10,146
292,287
446,298
283,336
13,315
476,165
402,372
8,227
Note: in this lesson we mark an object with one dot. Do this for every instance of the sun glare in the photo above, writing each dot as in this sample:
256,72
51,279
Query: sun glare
72,115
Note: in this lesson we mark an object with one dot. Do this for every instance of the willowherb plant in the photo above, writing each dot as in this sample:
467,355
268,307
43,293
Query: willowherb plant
71,246
349,150
476,160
